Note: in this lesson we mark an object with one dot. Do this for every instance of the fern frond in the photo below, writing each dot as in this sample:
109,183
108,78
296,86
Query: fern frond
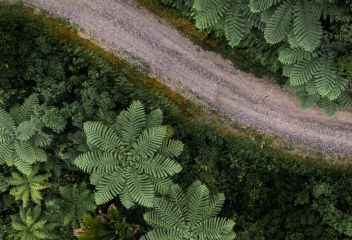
161,185
27,129
327,79
329,107
97,162
6,121
26,152
307,28
257,6
303,71
209,12
109,186
149,142
140,188
279,24
129,123
162,234
154,118
102,137
159,166
345,99
216,228
171,148
215,204
293,55
237,25
41,139
27,109
198,201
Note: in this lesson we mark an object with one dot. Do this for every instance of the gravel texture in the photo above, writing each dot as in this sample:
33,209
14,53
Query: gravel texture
123,24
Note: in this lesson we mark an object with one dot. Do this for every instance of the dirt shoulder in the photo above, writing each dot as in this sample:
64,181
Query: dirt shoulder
122,26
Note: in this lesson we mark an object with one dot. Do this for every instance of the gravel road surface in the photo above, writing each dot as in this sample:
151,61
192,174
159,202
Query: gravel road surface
123,24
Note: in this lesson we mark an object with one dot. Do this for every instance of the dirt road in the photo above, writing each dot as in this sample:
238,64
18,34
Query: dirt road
123,24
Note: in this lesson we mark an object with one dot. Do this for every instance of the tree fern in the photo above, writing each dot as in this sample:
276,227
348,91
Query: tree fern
131,158
28,187
29,225
188,215
21,137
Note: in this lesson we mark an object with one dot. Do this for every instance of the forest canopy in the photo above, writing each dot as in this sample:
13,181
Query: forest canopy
71,113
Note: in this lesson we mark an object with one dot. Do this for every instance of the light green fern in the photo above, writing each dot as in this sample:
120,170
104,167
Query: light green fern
188,215
28,187
132,158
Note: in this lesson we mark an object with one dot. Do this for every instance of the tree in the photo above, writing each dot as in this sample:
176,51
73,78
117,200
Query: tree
189,215
132,158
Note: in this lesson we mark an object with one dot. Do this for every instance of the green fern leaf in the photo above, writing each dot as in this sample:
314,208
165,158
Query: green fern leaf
154,118
327,79
162,234
6,121
209,12
279,24
102,137
140,188
27,129
257,6
109,186
130,122
171,148
293,55
97,162
303,71
159,166
329,107
307,28
216,228
198,201
28,108
149,142
237,25
26,152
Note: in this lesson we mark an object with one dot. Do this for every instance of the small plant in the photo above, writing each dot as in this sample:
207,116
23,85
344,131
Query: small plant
30,226
106,226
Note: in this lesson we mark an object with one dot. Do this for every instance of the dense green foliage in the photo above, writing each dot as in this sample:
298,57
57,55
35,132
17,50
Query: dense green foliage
297,39
269,194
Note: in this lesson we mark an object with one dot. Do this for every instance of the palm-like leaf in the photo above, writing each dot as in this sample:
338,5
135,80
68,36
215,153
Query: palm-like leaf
77,202
127,159
279,24
28,187
189,215
209,12
307,28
